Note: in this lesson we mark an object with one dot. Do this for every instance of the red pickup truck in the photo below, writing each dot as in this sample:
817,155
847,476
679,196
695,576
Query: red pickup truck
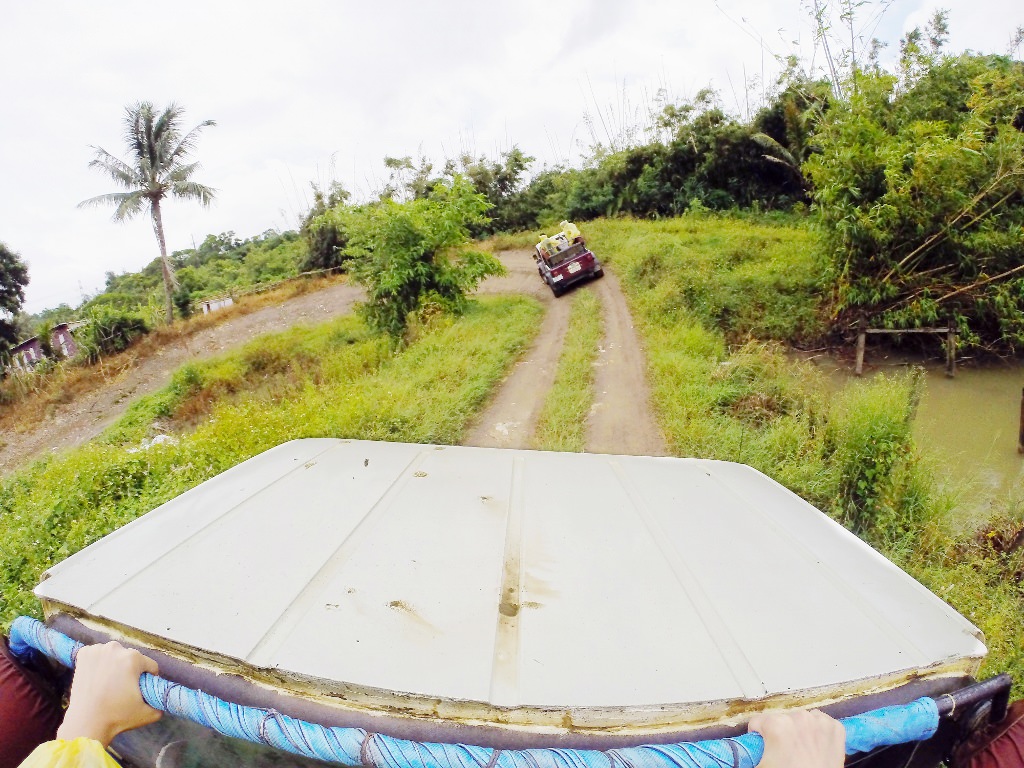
568,266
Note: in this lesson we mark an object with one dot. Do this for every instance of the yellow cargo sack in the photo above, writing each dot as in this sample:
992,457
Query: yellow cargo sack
570,230
76,753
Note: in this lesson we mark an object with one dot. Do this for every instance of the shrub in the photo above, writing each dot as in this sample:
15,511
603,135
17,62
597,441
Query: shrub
324,230
108,331
413,257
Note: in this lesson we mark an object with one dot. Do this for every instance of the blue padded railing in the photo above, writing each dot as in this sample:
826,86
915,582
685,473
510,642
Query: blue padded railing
916,721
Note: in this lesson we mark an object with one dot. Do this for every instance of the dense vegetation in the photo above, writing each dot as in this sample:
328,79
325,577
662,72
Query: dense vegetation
222,263
919,180
724,390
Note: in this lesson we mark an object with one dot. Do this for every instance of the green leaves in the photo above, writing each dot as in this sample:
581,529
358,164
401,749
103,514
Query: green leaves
13,279
919,191
156,170
412,256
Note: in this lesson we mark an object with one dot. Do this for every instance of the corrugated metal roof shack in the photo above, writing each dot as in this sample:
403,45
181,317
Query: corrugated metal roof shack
507,598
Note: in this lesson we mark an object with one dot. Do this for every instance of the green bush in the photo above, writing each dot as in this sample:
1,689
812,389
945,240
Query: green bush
323,229
412,257
868,436
108,331
919,183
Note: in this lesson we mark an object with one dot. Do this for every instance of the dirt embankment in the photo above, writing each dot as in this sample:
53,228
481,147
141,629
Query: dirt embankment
76,422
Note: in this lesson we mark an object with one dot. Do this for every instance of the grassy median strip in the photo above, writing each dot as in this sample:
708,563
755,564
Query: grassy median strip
563,422
331,381
715,300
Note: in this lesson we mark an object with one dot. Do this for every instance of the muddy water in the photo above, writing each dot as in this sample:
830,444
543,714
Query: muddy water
972,421
969,424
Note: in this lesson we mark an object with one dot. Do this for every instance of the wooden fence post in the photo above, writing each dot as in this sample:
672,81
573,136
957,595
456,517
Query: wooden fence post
1020,434
861,340
951,350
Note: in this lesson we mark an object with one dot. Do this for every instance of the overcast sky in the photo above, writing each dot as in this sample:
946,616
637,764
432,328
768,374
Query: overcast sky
316,90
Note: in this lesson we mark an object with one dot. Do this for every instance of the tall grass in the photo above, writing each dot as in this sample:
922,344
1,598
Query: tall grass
712,298
745,279
563,421
331,381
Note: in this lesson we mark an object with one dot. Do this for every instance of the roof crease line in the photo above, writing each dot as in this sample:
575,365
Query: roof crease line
291,616
743,671
209,524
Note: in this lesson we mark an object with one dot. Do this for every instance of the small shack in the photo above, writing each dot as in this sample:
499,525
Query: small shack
214,303
29,353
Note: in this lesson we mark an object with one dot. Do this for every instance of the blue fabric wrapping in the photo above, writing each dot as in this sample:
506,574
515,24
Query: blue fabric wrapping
916,721
884,727
28,635
262,726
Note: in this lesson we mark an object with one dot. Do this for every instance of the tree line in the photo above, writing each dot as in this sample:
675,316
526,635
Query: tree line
915,176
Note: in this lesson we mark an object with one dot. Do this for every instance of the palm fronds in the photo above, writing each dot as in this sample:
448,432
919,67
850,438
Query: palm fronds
157,168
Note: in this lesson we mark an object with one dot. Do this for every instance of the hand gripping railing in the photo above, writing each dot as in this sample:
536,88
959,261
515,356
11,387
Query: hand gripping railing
916,721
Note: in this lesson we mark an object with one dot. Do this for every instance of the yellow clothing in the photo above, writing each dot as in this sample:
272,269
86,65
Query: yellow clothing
76,753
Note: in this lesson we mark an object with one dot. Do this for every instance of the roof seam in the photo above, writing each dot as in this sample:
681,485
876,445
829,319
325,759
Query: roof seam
867,610
280,630
743,671
209,524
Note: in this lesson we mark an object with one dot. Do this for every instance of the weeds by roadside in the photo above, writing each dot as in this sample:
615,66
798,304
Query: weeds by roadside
750,280
563,421
340,382
708,296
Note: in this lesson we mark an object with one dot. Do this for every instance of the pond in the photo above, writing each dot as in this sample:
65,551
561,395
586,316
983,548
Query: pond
969,424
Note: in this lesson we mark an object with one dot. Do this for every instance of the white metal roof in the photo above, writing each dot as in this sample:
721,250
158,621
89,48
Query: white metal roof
513,578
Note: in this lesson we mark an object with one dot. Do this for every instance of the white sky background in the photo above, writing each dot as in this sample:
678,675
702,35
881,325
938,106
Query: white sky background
317,90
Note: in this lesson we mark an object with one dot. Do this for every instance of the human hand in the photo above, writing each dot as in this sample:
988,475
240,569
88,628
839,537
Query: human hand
800,739
105,696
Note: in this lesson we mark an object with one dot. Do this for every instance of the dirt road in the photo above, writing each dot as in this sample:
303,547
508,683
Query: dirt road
79,421
511,419
620,421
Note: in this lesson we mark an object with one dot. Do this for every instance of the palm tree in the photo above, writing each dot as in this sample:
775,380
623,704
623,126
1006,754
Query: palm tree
159,168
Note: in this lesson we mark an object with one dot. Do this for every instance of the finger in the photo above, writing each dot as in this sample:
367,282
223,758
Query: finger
767,723
147,664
